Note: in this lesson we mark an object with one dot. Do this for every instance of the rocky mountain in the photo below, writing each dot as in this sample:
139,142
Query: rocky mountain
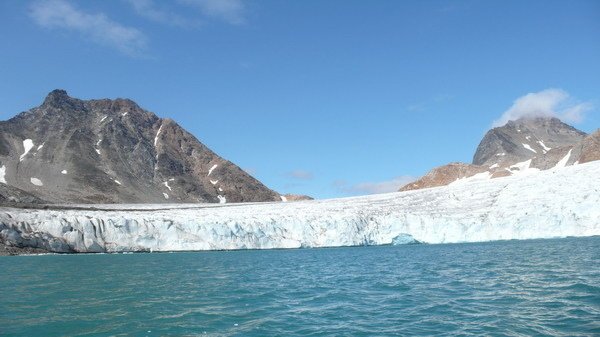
295,197
112,151
524,139
523,146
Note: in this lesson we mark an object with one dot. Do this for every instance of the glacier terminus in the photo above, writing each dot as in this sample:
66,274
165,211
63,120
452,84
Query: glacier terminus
559,202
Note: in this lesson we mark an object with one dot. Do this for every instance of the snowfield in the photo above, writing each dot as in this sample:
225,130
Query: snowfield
554,203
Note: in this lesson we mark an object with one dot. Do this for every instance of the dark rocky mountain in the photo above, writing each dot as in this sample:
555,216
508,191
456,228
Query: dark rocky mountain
524,139
112,151
524,145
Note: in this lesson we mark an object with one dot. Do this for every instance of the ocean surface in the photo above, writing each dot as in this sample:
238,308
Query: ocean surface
511,288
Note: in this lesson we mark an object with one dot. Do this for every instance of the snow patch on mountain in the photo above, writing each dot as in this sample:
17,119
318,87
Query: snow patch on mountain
3,174
564,160
528,147
27,146
544,146
36,182
157,134
212,169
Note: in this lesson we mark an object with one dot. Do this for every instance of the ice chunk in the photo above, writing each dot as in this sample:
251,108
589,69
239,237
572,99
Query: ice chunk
166,195
64,172
403,239
118,182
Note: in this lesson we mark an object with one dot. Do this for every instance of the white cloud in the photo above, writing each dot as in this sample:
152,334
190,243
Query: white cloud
231,11
300,175
388,186
97,27
546,103
149,10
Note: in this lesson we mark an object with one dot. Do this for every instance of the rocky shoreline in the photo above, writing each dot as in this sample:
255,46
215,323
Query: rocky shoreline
6,250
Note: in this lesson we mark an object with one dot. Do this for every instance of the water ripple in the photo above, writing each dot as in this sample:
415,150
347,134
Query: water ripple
539,287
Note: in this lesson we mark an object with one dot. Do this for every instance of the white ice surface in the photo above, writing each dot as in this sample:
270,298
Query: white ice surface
552,203
27,145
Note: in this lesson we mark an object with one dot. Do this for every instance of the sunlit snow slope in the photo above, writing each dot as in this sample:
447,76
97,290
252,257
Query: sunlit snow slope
553,203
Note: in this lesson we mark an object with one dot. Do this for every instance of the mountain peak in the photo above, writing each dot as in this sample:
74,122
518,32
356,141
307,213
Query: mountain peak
56,96
523,139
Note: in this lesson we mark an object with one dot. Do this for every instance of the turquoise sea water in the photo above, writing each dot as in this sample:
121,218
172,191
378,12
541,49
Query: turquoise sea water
538,287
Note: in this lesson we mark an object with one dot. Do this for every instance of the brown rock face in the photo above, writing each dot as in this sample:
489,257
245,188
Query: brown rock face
590,148
444,175
112,151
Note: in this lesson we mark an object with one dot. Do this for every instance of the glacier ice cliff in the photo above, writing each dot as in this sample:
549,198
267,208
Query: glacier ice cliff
555,203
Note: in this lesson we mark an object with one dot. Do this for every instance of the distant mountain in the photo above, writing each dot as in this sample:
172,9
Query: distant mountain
524,139
112,151
523,146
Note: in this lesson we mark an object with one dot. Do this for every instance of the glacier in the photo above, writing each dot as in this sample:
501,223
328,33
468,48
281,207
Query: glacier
560,202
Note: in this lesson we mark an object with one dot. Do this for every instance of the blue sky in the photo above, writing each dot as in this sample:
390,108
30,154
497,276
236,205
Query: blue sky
325,98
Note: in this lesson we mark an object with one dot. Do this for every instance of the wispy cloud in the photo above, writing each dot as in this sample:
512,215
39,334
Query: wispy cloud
231,11
546,103
387,186
60,14
151,11
429,103
300,175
